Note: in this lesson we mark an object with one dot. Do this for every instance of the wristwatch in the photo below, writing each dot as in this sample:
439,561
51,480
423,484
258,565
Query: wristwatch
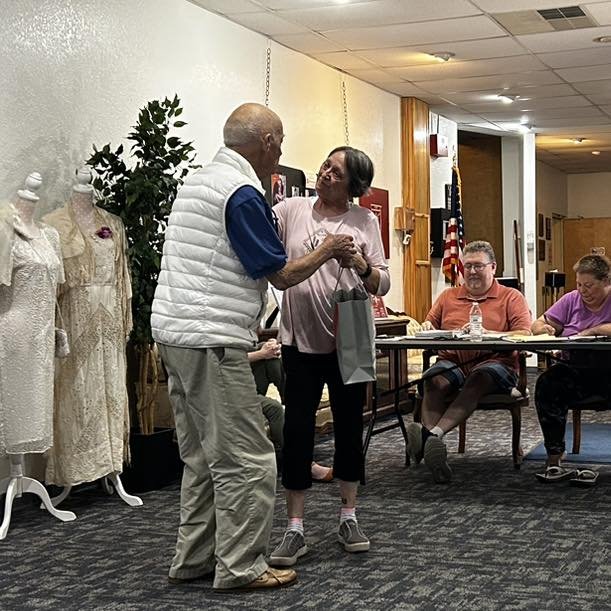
367,272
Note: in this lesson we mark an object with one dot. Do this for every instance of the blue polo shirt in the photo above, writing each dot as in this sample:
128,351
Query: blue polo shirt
252,233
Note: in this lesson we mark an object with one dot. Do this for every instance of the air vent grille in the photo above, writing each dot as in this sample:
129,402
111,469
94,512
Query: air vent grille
547,20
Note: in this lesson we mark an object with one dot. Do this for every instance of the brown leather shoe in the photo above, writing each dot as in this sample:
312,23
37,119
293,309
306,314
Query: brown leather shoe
272,578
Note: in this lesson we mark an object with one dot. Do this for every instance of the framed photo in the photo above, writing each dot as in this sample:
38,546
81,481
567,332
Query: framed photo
548,228
377,202
278,188
541,250
540,225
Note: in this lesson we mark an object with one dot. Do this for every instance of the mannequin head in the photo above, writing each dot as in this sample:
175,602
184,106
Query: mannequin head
27,198
83,181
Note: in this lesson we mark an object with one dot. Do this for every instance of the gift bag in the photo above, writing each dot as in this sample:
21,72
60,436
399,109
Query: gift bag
354,335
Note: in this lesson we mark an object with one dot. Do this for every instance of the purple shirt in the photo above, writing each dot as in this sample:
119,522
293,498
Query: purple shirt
570,312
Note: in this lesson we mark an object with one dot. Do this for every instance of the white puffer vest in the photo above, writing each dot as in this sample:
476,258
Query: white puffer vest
204,297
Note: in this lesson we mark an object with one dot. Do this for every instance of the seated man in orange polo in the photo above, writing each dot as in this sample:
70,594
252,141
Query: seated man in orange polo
459,379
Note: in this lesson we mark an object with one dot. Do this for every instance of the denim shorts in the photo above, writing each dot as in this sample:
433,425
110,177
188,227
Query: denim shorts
506,379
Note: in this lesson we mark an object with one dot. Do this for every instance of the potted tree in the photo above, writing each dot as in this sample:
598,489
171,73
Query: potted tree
140,190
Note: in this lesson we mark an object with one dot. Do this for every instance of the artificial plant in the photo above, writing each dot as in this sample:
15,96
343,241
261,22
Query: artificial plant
139,186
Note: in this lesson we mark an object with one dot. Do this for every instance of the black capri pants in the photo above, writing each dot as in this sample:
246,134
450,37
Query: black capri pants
306,374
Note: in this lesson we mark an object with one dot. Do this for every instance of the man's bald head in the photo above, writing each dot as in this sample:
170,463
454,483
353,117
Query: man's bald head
248,123
255,132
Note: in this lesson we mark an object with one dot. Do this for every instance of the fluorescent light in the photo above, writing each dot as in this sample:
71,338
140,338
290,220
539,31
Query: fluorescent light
595,152
506,99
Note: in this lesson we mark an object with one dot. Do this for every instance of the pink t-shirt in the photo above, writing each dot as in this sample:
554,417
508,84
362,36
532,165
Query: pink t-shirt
307,309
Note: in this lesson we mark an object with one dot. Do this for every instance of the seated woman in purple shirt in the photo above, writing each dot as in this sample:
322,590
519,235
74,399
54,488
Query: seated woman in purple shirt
584,311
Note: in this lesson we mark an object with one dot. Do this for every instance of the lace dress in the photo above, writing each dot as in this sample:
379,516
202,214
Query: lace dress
91,420
31,270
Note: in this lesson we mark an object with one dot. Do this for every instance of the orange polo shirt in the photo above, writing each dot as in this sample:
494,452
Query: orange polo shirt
503,309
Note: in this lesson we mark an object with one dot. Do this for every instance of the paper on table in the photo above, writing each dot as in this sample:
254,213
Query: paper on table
544,337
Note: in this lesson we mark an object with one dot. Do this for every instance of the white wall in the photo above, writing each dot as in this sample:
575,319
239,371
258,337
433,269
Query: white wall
441,175
589,195
76,73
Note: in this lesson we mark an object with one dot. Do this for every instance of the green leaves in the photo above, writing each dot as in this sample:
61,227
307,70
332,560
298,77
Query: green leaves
140,190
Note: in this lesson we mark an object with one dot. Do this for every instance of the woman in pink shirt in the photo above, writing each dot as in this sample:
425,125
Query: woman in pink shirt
308,341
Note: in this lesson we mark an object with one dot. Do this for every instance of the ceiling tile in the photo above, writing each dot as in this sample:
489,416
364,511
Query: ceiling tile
535,104
382,12
502,6
583,122
541,115
606,108
563,41
484,97
601,11
228,7
283,5
496,82
267,23
344,60
600,98
570,59
586,73
374,76
467,50
451,69
308,43
587,87
441,31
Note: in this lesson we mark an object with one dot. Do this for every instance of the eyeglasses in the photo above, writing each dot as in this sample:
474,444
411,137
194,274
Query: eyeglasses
476,267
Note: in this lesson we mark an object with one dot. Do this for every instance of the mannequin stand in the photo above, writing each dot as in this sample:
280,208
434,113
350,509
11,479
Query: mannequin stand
16,485
109,482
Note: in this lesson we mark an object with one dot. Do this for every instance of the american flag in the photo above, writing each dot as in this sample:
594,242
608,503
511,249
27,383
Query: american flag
455,236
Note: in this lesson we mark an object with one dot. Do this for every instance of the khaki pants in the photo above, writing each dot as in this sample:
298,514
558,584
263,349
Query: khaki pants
229,480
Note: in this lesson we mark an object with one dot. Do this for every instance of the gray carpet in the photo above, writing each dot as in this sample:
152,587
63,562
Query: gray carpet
494,538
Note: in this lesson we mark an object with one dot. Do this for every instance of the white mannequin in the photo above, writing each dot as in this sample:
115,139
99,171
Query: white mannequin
16,484
25,203
83,207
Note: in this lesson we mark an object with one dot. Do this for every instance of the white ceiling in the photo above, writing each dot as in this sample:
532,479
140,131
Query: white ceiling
563,78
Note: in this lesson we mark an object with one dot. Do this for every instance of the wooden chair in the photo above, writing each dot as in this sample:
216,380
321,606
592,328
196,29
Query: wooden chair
513,402
595,402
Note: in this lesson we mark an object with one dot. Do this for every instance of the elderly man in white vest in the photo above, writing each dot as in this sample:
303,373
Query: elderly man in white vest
220,250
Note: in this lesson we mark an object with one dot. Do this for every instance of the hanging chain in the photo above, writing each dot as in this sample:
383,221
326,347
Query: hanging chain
268,70
345,109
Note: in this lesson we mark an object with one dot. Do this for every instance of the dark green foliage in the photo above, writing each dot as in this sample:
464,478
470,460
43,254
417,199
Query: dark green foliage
142,196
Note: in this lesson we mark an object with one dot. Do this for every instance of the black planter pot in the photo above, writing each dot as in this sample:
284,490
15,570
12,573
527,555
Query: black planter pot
155,461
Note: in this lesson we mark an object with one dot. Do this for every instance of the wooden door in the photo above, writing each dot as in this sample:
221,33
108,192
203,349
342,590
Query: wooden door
579,237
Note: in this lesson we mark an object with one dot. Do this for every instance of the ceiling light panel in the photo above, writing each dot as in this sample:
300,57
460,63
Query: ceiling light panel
442,31
382,12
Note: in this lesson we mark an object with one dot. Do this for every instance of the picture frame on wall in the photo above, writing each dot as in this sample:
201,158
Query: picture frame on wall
377,201
540,225
541,250
548,228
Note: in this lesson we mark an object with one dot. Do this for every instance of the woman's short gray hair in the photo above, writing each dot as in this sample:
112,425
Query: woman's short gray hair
595,265
359,169
480,246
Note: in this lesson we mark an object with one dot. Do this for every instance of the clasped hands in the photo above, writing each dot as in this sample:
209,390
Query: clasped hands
344,249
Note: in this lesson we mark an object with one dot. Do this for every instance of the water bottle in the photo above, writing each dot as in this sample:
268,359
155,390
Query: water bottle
475,323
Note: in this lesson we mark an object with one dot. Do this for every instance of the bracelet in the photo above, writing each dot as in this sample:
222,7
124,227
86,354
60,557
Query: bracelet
367,272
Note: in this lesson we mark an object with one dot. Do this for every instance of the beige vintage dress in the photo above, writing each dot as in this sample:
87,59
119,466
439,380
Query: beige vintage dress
30,270
91,417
